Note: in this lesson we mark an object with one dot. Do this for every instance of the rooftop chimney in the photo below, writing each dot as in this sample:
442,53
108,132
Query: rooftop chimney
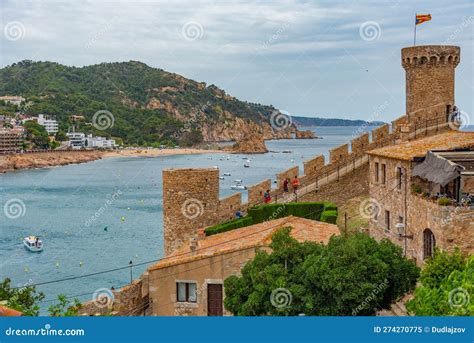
193,245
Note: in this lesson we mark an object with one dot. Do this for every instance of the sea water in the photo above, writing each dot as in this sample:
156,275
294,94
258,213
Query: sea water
101,215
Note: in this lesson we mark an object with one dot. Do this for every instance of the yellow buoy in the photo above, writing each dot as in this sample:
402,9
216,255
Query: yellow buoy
122,219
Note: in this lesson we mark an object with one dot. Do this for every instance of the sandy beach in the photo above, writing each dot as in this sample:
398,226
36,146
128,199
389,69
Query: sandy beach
156,152
58,158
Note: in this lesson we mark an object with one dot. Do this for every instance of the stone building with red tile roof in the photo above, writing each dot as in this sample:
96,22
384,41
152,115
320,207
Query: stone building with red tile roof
419,194
190,280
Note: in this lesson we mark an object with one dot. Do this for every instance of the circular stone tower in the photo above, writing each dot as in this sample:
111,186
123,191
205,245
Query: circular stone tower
429,80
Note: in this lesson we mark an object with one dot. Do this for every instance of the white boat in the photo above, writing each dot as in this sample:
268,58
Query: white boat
248,161
246,165
221,178
226,174
238,187
238,181
33,243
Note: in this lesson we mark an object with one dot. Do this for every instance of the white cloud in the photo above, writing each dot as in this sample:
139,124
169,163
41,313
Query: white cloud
282,47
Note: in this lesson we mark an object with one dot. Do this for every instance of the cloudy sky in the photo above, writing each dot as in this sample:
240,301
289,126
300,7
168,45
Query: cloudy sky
310,58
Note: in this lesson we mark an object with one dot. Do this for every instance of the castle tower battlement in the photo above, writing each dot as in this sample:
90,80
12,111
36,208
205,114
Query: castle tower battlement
429,71
190,202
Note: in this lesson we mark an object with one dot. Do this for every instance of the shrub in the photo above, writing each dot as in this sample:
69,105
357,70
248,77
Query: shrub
349,276
227,226
323,211
445,201
416,189
447,287
329,217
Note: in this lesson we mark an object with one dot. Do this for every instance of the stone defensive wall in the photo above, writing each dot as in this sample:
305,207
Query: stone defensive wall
191,198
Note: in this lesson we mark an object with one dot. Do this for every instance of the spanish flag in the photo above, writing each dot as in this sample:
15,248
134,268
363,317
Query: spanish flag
421,18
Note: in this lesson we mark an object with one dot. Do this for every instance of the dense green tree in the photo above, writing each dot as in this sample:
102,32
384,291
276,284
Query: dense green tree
22,299
447,287
64,307
353,276
36,134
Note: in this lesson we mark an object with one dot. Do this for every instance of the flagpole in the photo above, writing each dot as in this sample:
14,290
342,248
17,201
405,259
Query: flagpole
414,35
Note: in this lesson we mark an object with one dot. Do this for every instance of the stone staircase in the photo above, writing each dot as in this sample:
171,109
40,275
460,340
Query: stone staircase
397,309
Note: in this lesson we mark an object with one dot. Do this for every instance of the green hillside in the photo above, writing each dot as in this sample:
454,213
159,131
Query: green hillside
149,105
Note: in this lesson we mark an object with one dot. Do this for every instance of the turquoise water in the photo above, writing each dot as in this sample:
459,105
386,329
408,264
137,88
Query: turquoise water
86,228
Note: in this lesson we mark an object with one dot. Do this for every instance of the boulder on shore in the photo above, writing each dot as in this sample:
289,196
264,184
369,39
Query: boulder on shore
252,143
306,134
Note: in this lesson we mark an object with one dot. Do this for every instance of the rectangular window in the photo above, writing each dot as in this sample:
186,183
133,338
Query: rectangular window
387,220
399,178
186,292
376,172
384,174
400,219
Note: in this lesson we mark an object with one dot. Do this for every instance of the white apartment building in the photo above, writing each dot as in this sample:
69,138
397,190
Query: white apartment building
77,140
50,125
100,142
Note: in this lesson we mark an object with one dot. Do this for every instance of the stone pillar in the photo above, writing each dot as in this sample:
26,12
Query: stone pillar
190,202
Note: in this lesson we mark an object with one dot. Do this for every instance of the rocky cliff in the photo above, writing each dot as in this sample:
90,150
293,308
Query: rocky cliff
307,134
251,143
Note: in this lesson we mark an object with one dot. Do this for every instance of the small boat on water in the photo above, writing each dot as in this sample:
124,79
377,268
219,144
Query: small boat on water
246,165
221,178
238,186
33,243
226,174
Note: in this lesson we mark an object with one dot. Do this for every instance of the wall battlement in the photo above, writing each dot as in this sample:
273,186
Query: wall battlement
427,109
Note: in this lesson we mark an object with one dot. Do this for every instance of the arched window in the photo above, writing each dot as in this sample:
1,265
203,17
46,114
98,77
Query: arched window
429,243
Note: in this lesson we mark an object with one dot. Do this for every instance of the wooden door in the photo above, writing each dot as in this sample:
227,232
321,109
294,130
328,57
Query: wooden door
214,300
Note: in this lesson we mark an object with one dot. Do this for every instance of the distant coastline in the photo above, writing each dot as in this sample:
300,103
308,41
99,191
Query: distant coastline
315,122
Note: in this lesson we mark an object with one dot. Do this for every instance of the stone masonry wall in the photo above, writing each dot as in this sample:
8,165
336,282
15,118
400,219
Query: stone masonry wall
429,72
349,186
228,206
380,133
359,145
190,202
287,174
339,154
130,300
313,166
450,225
255,192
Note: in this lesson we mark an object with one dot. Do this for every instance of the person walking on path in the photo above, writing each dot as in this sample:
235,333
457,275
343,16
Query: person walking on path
267,197
295,183
285,185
